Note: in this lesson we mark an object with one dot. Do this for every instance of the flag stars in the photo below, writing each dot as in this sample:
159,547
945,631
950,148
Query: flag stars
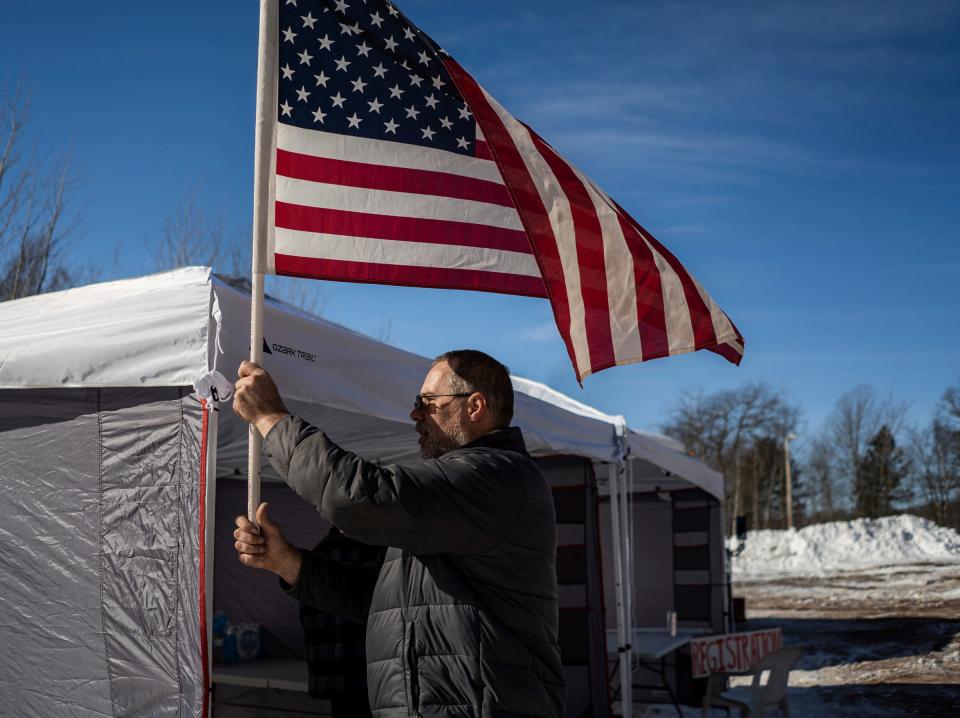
390,43
287,72
286,109
363,49
375,105
438,82
428,133
321,79
289,34
395,91
412,112
348,29
358,85
305,58
432,101
354,121
308,20
380,71
462,143
325,42
392,10
416,80
342,6
464,113
342,63
408,33
445,123
375,19
424,58
338,100
302,94
390,126
319,115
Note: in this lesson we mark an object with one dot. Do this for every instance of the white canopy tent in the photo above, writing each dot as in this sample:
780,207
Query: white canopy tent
164,330
168,329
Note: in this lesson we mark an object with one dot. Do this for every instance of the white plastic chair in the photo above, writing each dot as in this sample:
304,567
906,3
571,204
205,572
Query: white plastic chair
754,699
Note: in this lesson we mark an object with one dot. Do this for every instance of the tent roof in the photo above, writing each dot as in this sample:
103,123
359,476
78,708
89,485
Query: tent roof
164,330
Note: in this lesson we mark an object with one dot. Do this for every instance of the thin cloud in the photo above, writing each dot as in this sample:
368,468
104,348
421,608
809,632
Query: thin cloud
539,333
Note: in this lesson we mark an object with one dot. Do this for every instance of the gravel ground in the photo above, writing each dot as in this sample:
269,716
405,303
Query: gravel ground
880,642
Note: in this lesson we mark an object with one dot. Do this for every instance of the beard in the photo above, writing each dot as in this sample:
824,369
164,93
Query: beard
435,441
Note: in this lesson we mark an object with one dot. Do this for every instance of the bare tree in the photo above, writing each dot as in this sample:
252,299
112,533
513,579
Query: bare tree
856,418
189,237
35,217
935,456
720,428
820,462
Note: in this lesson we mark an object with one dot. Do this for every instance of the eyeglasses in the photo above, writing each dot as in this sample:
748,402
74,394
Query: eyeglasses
420,402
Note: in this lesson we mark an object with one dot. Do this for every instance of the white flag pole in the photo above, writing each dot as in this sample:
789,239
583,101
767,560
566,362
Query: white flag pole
263,156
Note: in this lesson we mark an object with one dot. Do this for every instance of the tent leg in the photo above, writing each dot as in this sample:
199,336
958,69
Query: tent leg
623,641
627,508
210,511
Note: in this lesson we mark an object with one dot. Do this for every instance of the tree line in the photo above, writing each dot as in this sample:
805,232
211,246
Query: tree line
865,461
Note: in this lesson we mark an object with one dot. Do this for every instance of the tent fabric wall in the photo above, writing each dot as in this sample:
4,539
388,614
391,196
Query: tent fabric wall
582,632
678,565
100,609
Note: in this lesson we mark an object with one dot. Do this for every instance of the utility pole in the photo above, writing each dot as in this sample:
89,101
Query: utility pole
789,482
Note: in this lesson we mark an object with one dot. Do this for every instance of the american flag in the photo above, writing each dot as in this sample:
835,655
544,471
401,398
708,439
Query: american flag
393,166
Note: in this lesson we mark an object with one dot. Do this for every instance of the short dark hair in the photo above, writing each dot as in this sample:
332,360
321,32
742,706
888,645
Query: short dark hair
475,371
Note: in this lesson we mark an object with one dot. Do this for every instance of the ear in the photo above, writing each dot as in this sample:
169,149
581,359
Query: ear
477,409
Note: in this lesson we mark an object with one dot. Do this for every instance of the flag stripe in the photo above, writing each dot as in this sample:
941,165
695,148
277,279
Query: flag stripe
651,314
698,313
408,229
482,150
621,284
364,249
556,247
396,204
381,152
526,198
395,179
587,240
410,276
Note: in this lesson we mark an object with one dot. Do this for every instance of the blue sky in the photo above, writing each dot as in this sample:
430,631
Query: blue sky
801,159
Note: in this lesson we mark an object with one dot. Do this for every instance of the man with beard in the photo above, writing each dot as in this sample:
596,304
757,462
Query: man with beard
462,616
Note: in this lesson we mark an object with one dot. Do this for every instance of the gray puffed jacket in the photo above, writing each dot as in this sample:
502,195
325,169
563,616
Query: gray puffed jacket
462,618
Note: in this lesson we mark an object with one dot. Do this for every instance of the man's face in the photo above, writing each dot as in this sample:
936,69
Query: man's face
442,422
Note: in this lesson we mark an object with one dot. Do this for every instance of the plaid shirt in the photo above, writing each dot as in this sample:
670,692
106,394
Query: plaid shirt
335,647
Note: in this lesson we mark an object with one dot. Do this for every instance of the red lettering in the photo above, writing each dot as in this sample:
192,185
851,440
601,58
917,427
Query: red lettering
742,663
696,657
714,662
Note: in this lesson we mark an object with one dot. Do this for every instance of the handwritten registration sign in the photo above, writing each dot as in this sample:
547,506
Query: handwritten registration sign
732,651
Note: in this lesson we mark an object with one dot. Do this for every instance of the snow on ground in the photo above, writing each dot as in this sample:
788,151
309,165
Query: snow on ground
825,549
876,604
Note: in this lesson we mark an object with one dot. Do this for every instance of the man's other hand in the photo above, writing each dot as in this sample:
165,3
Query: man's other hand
266,548
256,399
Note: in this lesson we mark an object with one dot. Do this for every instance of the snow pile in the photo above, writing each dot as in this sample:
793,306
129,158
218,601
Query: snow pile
823,549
